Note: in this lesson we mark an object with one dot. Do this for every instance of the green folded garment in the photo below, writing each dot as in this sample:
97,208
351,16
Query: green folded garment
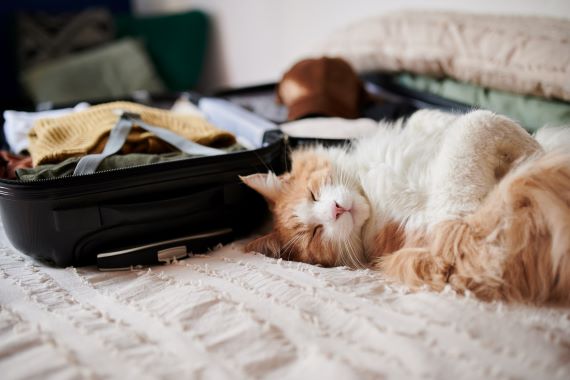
530,111
111,71
66,168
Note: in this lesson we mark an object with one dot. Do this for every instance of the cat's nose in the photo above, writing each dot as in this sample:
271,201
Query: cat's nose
338,210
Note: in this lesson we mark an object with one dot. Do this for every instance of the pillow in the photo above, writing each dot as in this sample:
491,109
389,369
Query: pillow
176,43
522,54
112,71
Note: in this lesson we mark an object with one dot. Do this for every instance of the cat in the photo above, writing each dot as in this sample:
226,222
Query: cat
472,201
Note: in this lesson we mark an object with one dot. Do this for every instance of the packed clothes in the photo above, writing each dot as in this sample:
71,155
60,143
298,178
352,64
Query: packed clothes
56,139
10,163
531,111
17,124
67,167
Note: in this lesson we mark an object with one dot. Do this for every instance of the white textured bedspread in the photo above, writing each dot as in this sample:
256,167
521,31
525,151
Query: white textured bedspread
231,315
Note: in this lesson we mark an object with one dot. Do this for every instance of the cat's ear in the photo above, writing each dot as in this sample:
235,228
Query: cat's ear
269,185
269,245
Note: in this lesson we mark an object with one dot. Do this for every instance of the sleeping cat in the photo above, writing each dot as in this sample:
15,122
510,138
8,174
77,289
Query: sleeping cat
468,200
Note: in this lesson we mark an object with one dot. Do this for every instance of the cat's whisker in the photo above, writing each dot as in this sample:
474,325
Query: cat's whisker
344,252
354,261
351,257
288,247
292,244
338,246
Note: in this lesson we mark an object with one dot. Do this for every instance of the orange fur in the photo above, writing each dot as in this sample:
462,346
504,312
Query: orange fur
515,247
290,239
389,239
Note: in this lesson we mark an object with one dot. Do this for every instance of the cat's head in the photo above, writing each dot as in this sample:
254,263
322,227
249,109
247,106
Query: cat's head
318,210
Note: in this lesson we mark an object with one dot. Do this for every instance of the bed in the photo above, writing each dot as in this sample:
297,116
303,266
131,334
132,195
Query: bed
230,314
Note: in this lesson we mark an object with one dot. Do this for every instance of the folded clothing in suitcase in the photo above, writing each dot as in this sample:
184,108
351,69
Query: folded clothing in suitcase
145,214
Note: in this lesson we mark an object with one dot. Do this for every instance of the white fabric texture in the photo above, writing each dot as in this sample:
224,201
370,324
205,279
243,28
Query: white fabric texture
330,128
231,315
184,106
521,54
17,124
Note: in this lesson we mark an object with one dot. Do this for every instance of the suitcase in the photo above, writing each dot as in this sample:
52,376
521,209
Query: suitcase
147,214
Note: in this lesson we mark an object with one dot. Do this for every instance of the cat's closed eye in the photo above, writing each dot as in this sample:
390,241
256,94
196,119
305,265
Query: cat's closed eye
312,195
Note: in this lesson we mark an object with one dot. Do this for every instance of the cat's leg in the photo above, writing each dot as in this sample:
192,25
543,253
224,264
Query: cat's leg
479,148
455,259
515,247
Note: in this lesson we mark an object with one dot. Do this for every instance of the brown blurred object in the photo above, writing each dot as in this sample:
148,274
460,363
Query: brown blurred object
321,87
9,163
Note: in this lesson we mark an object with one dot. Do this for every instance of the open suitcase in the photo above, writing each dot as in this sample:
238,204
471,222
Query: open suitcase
150,214
146,214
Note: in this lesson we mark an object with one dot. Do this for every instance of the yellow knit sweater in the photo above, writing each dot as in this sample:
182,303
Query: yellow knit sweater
55,139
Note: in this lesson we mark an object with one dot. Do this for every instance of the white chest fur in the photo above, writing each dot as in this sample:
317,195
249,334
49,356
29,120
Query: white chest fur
439,166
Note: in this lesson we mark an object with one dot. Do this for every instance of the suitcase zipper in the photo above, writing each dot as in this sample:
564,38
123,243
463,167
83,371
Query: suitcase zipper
239,162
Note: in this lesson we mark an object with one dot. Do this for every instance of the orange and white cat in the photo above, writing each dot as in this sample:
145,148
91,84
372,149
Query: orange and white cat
470,200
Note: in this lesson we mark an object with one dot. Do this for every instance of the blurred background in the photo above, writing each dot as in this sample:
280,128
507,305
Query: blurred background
106,48
253,41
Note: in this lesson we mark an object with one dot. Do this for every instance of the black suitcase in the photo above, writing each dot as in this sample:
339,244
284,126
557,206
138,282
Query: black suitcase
139,215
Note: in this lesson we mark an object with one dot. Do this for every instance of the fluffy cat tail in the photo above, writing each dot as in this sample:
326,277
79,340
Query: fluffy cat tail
515,247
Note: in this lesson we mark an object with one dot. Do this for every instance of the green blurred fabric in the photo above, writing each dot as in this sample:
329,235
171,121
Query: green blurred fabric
112,71
176,44
66,167
530,111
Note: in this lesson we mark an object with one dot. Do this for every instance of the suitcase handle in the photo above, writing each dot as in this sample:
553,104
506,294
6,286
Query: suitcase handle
163,251
118,136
